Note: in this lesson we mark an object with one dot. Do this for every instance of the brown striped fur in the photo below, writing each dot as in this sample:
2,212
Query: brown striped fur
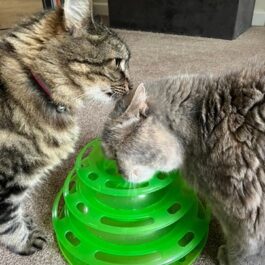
78,60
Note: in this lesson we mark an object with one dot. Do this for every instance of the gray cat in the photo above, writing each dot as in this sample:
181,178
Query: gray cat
213,128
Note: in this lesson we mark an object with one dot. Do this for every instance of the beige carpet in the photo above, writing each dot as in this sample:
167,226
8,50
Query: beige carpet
153,56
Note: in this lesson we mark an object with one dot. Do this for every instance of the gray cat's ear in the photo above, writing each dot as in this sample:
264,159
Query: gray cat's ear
78,15
138,103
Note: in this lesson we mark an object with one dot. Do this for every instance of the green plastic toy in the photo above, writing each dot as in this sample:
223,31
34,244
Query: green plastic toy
100,219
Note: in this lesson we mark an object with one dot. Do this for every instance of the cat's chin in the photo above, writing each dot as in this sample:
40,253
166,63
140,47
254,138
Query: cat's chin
140,175
96,94
137,180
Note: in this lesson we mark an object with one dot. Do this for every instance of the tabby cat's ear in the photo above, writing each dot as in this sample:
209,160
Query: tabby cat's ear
138,103
78,15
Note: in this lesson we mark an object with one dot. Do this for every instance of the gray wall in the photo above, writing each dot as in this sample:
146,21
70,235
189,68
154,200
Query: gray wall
101,7
259,13
260,4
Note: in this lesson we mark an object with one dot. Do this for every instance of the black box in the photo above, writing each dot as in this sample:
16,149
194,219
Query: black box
225,19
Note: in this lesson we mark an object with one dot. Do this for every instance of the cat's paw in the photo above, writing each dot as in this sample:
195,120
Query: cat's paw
222,255
35,242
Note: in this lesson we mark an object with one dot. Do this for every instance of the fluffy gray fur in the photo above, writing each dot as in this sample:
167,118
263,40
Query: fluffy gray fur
212,128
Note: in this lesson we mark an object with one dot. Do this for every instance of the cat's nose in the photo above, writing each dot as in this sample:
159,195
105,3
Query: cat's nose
128,85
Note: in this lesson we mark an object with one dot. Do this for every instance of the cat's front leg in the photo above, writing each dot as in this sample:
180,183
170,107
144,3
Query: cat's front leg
17,232
243,245
241,250
237,257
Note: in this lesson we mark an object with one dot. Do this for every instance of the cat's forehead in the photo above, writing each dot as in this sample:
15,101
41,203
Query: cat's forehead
110,44
119,47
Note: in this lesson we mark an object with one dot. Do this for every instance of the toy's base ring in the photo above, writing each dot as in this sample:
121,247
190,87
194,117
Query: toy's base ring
189,259
70,249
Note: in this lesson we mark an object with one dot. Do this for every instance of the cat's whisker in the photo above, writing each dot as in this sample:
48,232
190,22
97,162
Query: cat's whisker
79,97
132,185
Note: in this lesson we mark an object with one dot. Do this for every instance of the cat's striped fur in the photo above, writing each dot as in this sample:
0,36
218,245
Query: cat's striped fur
77,59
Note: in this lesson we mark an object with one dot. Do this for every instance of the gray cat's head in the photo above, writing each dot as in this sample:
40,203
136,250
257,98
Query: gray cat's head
135,136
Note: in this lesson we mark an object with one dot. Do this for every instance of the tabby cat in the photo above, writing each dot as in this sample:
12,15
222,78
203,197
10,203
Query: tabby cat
213,129
49,65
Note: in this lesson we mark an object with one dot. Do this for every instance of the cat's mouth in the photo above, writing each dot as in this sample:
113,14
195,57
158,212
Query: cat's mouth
110,94
114,95
117,92
120,90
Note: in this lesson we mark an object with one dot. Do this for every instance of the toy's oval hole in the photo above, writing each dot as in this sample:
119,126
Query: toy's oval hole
117,185
86,153
72,239
182,260
82,208
125,185
130,260
72,186
60,209
118,223
201,212
93,176
162,176
186,239
174,208
139,185
85,163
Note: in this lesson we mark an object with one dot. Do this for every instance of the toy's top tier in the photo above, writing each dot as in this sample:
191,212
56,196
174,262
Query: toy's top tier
102,175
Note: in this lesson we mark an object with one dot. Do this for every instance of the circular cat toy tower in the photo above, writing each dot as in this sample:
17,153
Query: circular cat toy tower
100,219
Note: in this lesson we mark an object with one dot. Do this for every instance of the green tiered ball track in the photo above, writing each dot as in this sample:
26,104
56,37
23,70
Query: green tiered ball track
100,219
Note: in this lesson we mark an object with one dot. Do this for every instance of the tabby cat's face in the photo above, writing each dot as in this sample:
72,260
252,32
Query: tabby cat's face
91,57
138,140
97,61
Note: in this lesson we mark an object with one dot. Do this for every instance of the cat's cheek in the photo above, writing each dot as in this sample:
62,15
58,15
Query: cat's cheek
175,159
174,163
99,94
